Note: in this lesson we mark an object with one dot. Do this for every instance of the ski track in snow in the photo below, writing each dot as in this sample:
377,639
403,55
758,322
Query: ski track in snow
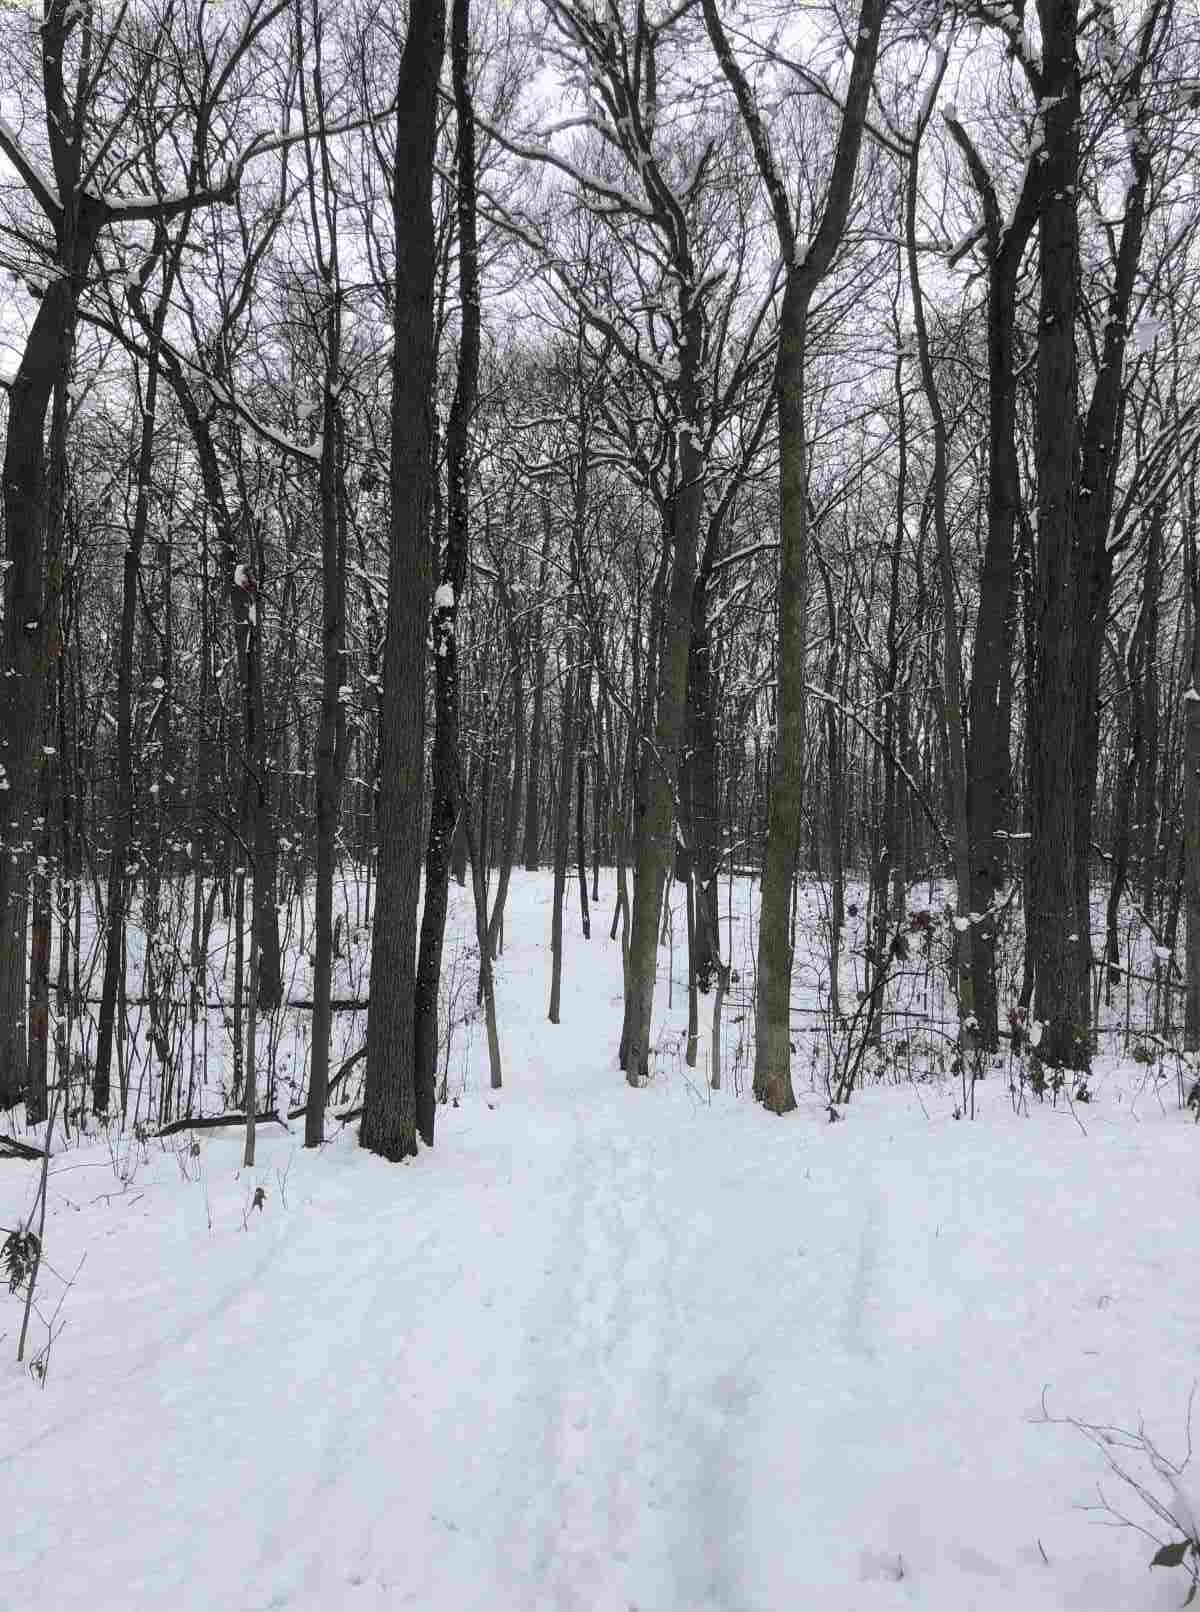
628,1504
858,1331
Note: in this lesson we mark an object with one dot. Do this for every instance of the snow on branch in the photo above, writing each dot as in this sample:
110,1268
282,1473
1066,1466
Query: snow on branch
34,177
620,199
861,723
309,452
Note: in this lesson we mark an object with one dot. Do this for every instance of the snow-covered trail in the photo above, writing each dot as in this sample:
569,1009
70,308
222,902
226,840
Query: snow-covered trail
373,1400
606,1350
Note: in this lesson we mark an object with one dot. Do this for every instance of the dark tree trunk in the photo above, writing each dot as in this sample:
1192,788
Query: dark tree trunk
702,809
45,363
330,757
1052,754
658,770
989,756
582,701
1076,480
446,802
389,1100
562,834
512,809
888,858
1129,761
1190,845
119,878
536,726
50,779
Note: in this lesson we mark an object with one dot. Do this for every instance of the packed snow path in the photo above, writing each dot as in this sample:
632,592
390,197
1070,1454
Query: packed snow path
606,1350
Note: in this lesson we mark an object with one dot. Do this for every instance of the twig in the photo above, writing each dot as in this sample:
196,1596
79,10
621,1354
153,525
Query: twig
37,1253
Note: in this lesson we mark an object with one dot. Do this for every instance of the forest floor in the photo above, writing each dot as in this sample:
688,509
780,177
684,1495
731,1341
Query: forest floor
605,1349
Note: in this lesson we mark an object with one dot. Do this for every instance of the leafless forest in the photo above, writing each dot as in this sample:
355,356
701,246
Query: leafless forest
668,436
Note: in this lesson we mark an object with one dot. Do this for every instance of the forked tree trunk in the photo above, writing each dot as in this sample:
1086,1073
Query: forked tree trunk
806,267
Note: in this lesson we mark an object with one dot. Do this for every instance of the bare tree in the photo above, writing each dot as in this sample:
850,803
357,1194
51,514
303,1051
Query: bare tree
90,133
447,801
389,1111
805,267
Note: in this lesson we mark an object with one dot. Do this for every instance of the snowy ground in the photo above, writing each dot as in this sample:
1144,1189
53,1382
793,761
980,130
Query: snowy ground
606,1349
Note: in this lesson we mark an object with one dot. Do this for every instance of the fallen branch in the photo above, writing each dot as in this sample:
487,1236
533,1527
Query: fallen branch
214,1121
10,1148
355,1057
339,1004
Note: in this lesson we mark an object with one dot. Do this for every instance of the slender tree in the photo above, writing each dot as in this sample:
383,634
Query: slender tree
805,268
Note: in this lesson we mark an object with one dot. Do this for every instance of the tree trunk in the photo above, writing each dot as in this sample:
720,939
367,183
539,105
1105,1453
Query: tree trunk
989,757
951,662
330,757
45,363
389,1099
562,834
487,979
772,1049
447,803
119,878
51,775
658,770
581,705
888,861
1051,754
536,726
806,267
699,792
1191,852
512,809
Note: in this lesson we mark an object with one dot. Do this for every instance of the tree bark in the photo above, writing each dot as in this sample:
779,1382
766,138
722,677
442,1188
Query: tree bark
989,757
582,702
951,662
389,1100
562,834
533,799
1052,755
805,269
45,363
662,745
512,809
447,803
330,757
